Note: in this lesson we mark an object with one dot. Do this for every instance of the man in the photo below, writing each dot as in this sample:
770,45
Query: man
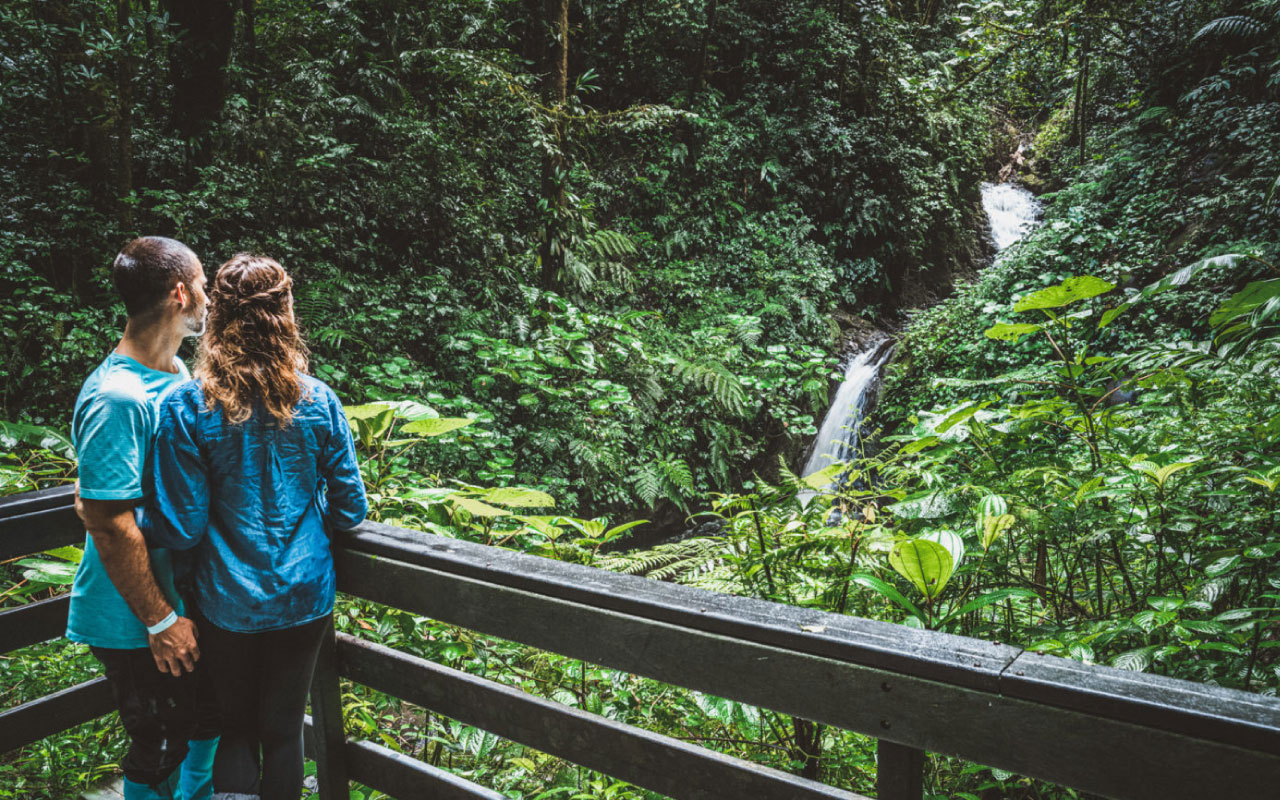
123,602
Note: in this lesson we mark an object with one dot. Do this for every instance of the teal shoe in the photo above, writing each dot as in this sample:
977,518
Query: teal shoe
167,790
197,769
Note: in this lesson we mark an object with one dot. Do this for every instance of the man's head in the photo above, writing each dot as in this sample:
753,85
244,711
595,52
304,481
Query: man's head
159,277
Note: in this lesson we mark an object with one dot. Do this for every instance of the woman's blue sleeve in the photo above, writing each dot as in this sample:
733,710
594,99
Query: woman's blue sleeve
179,513
344,487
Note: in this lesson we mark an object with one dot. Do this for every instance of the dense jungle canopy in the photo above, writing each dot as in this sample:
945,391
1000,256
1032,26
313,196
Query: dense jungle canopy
609,256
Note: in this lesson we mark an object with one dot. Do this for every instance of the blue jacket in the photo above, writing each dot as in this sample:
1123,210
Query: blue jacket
252,506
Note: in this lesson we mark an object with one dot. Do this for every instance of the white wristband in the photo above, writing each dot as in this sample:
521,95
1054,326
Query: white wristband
164,624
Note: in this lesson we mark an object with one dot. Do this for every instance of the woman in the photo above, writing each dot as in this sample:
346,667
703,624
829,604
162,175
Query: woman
254,465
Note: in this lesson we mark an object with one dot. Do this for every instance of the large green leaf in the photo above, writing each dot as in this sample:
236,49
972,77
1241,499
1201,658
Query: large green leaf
1134,660
923,505
436,427
1069,291
951,541
1170,281
825,477
1011,331
1245,301
368,410
13,433
56,573
994,527
68,553
476,507
963,413
372,422
926,564
992,597
412,409
1160,475
517,497
887,591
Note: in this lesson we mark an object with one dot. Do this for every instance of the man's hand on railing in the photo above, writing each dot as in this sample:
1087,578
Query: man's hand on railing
175,648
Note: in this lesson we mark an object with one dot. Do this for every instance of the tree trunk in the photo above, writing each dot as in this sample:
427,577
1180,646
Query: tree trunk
149,36
124,121
1082,99
1042,569
562,61
808,738
250,20
700,70
198,62
552,250
68,263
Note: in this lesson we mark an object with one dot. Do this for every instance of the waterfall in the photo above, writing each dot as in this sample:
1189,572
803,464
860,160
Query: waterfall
838,437
1012,211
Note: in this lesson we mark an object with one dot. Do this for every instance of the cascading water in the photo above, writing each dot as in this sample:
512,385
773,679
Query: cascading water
838,437
1012,211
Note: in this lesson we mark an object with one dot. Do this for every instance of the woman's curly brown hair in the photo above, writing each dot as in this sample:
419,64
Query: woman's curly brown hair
252,354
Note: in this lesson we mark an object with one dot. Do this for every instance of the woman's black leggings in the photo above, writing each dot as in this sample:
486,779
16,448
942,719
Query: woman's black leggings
261,682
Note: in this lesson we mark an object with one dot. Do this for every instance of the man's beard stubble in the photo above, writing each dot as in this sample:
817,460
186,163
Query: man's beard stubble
196,327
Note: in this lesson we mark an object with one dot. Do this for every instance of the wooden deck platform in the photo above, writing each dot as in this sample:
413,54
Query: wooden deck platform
110,791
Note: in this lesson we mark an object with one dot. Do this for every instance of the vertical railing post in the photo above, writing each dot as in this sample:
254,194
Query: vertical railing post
326,714
899,772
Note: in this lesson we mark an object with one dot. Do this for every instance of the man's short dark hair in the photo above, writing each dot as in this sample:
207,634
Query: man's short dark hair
148,268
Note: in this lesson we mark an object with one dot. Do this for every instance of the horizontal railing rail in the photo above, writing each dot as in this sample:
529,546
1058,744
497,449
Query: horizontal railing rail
1101,730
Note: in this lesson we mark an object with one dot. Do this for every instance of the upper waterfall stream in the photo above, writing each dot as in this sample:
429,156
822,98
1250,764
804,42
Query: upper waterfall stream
1012,211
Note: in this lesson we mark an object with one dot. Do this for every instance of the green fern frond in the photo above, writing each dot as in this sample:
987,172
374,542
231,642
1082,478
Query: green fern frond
578,273
717,380
746,329
651,388
648,483
677,473
546,441
1235,29
673,561
788,478
609,245
583,453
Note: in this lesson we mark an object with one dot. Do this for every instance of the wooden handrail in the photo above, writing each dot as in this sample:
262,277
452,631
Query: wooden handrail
1115,733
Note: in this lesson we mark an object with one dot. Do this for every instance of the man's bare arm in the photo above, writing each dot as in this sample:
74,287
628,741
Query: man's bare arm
123,552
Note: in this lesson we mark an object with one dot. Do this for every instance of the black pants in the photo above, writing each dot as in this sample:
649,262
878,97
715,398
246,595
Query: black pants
261,681
159,712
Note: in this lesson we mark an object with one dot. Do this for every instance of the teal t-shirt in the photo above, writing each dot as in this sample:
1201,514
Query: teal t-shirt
112,429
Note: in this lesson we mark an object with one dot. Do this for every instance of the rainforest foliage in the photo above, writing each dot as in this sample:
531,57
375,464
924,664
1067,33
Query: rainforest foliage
575,265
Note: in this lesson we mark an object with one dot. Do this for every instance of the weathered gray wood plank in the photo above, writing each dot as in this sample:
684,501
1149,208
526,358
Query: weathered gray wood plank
329,740
33,623
409,779
899,772
1229,716
30,722
927,654
113,790
26,502
1095,754
669,766
1196,709
397,774
36,531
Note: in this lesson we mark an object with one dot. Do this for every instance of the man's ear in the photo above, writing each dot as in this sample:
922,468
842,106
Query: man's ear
181,293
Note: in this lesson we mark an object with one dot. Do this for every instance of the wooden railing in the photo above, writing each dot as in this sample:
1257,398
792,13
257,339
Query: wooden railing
1101,730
